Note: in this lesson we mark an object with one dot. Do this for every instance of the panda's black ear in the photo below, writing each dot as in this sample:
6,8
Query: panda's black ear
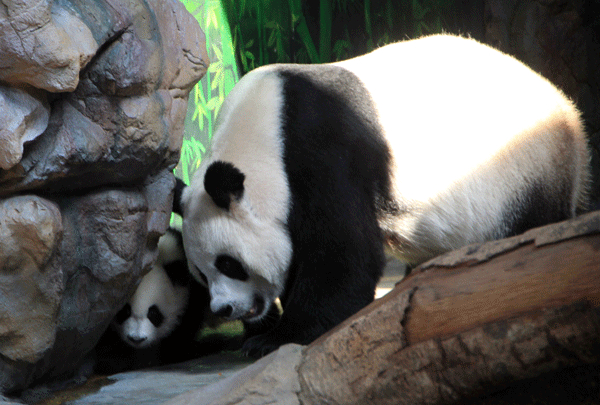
179,187
224,183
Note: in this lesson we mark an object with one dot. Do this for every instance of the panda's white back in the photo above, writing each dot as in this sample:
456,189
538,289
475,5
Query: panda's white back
459,154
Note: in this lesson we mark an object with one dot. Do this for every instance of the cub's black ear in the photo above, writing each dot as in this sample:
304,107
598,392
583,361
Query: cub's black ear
179,187
224,183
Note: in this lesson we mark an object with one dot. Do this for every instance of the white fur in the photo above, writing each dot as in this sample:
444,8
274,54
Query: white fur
459,153
155,289
169,249
251,110
468,127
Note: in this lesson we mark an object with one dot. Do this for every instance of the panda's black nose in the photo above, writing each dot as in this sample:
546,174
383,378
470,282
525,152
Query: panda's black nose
136,340
225,311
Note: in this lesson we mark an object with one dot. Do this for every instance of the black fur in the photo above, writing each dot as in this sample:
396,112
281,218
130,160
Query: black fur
177,271
123,314
542,203
155,316
114,355
231,268
538,206
179,187
224,183
338,168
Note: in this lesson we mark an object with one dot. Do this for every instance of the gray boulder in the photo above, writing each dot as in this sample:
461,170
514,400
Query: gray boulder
92,106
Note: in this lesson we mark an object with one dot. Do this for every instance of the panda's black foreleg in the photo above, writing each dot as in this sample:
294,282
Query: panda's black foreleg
312,311
336,185
328,287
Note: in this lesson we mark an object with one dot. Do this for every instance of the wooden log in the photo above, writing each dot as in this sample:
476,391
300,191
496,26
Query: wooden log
468,323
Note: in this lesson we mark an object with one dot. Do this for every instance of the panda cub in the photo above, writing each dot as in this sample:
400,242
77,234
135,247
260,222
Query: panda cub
422,146
159,323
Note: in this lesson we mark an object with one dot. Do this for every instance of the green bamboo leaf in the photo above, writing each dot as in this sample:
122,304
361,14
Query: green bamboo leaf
212,103
197,113
389,12
215,83
217,52
242,9
419,11
307,41
212,68
244,62
340,47
325,20
211,20
295,7
368,29
272,39
217,80
229,80
192,7
295,19
200,99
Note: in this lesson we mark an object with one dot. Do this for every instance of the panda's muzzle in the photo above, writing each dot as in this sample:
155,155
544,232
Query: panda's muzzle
258,307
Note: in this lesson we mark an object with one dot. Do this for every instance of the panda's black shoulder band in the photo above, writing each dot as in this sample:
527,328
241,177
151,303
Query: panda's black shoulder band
224,183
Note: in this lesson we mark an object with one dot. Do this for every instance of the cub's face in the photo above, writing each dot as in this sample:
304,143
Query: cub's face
241,256
153,311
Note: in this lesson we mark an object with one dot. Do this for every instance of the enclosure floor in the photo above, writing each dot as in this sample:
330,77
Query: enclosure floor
394,271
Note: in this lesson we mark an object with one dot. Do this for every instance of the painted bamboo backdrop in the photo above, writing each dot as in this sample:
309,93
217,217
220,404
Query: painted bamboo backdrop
298,31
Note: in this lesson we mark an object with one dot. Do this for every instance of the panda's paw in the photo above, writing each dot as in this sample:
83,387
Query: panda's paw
259,346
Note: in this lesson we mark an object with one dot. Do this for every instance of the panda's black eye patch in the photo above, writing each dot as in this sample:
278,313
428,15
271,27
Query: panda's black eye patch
155,316
231,268
123,314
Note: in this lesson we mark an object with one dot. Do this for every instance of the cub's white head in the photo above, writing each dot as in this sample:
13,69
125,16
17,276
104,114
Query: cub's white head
155,308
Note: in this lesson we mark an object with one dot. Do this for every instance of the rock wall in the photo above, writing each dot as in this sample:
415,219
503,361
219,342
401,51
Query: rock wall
93,95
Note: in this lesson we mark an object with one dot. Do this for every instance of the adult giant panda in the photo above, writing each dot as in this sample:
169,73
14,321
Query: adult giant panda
424,146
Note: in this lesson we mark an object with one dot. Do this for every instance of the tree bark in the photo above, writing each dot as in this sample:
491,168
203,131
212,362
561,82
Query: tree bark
470,323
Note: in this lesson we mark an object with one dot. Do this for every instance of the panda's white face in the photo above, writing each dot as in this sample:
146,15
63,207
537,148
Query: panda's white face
241,258
235,292
236,207
154,310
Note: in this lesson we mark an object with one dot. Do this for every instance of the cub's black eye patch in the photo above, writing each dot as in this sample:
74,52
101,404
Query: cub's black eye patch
231,268
155,316
123,314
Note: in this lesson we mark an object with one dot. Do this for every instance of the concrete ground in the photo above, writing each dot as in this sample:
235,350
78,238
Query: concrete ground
394,271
